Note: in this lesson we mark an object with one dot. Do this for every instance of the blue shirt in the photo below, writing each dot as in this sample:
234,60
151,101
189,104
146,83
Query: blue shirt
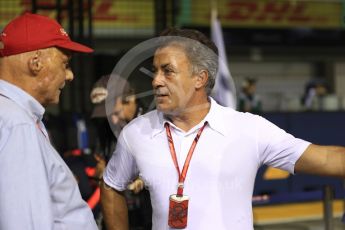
37,189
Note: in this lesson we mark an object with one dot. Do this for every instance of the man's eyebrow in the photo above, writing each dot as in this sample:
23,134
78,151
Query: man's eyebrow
166,65
160,66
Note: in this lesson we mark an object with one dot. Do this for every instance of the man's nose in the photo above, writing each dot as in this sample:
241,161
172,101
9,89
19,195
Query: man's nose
69,75
158,79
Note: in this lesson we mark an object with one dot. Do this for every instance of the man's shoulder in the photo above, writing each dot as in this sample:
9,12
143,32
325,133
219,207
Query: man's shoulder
11,114
246,116
228,112
236,118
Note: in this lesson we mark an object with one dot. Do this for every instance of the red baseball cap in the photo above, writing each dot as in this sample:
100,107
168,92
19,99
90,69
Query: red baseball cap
30,32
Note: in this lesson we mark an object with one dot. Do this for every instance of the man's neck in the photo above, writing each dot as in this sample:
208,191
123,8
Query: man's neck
190,117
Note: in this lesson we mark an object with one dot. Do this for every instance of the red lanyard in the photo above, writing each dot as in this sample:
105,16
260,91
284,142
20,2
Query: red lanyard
182,176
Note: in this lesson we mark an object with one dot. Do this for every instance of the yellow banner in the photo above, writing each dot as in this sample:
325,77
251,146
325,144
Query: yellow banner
269,13
109,17
136,17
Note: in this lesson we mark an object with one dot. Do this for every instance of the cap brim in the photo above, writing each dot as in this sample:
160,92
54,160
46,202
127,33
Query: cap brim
74,46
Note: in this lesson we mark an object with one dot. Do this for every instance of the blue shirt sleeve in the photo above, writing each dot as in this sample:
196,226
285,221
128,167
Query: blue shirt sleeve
24,187
37,190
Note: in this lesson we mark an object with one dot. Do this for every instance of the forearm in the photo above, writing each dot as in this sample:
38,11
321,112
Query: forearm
322,160
114,208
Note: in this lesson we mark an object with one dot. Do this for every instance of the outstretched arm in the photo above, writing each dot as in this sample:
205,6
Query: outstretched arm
322,160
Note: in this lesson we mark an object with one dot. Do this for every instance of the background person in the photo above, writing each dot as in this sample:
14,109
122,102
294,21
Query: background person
37,190
248,100
315,92
126,108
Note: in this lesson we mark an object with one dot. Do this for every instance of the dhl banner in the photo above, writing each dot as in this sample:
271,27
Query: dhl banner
136,17
271,13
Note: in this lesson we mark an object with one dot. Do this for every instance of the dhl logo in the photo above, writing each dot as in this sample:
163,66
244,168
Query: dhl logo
233,13
277,13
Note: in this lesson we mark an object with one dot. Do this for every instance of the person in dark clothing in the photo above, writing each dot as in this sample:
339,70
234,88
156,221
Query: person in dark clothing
126,107
248,99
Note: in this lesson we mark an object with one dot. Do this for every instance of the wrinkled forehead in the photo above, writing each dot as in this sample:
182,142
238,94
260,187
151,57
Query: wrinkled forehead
172,54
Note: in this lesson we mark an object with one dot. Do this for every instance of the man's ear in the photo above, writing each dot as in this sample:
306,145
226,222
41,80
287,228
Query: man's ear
35,63
201,79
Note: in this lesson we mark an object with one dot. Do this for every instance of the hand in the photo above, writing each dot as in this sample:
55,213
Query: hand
136,186
100,165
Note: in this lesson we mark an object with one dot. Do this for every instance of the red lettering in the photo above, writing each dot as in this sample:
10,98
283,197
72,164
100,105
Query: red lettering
102,11
240,11
275,11
298,13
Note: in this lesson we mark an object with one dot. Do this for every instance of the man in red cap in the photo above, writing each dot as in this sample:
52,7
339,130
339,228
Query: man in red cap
37,190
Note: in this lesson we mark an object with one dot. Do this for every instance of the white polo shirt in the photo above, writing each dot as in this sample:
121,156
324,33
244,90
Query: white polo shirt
222,171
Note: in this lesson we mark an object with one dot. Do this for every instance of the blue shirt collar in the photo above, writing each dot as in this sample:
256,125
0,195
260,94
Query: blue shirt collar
23,99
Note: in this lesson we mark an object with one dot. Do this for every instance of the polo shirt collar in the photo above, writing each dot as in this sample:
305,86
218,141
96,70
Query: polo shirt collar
23,99
158,125
214,118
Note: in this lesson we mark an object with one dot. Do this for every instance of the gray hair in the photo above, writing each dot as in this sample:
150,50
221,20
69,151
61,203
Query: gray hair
201,52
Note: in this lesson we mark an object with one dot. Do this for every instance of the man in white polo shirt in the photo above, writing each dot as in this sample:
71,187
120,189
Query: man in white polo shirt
222,147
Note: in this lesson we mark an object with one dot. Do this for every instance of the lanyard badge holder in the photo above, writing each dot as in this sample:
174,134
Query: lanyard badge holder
178,203
178,211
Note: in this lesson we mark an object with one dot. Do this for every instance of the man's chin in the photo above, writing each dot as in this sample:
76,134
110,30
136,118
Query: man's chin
53,102
162,108
166,110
